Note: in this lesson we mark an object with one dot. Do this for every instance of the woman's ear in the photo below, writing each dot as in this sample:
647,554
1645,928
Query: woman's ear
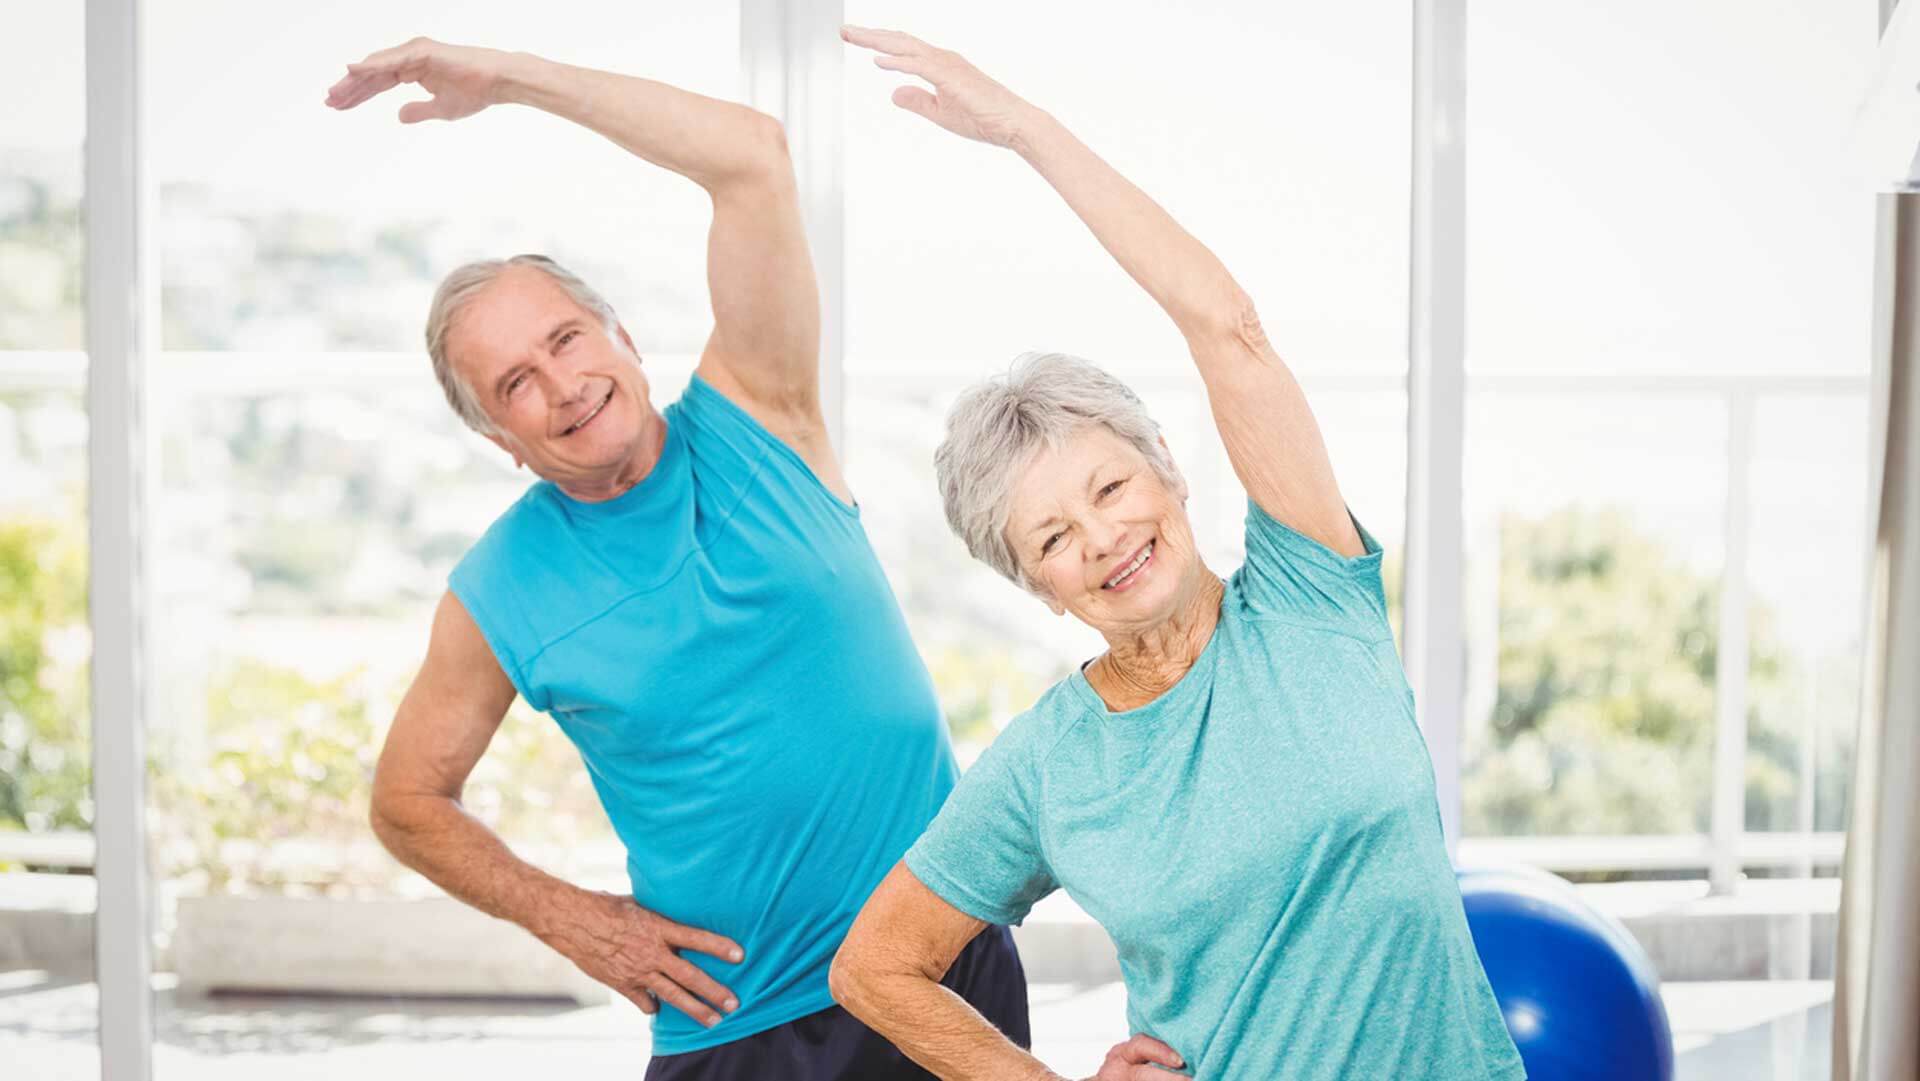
1179,485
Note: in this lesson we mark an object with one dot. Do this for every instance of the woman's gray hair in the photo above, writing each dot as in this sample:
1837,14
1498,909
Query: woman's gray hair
996,428
458,289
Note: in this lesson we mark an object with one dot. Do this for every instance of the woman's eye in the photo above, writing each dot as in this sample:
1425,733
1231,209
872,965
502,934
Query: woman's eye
1046,547
1111,488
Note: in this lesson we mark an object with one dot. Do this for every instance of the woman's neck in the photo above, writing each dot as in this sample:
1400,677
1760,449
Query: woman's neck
1138,668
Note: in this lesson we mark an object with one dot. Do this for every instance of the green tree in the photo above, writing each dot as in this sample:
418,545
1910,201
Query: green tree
44,751
1603,721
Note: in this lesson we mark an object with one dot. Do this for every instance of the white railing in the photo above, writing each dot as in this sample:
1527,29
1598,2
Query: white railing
1723,852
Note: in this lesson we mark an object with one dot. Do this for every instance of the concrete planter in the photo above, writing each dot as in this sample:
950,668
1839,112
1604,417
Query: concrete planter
432,946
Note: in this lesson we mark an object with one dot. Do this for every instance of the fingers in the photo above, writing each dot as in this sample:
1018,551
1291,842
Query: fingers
643,999
379,72
912,65
1144,1048
680,999
915,100
706,987
693,938
414,112
1140,1059
886,41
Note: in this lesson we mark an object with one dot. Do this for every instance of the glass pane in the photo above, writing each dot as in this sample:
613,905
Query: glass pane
43,82
343,252
1591,609
958,259
1653,242
49,1006
1668,221
314,490
1810,529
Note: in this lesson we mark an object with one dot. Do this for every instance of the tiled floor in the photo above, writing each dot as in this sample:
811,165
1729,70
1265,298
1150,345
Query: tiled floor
1774,1031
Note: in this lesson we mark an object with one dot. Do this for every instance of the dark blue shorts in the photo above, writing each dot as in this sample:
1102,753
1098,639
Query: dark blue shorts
833,1045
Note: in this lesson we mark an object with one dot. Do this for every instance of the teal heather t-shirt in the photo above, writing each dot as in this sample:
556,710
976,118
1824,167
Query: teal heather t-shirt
1262,842
721,645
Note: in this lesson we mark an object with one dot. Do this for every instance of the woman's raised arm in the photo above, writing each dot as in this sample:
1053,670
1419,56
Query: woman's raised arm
1264,420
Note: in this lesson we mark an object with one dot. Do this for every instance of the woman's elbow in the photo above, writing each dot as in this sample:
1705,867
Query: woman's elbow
849,979
1228,320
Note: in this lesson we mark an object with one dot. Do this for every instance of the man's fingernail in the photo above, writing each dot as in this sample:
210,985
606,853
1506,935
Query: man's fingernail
733,954
732,1004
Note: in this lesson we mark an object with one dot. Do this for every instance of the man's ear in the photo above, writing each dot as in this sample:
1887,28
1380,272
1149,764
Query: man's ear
627,339
497,440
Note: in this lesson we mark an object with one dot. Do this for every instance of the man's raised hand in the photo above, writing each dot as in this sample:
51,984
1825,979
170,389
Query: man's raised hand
463,80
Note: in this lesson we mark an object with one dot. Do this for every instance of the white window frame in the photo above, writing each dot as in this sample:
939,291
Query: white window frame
791,61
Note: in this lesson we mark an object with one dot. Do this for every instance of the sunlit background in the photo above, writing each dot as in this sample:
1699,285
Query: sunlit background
1668,280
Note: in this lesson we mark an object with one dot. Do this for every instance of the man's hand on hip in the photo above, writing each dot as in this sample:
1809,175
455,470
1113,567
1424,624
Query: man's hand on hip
634,951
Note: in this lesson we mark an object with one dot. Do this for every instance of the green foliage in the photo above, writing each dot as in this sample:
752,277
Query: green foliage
275,794
44,752
1604,717
980,691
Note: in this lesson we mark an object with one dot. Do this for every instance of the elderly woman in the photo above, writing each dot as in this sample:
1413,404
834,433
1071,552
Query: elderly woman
1235,789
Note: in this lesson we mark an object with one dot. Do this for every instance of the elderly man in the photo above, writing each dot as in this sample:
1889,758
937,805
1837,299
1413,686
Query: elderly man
691,596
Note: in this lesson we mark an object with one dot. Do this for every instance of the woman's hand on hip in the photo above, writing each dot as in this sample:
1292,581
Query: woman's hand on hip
963,100
1140,1059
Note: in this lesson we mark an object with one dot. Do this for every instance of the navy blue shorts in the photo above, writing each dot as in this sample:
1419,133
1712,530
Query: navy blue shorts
833,1045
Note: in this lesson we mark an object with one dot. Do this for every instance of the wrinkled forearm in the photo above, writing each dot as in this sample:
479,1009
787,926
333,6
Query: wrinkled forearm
435,836
1181,274
709,141
933,1026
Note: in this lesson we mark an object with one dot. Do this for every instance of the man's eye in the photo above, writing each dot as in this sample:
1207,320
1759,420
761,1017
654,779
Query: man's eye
568,336
518,380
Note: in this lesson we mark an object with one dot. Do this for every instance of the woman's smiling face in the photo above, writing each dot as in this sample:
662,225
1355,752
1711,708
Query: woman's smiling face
1099,533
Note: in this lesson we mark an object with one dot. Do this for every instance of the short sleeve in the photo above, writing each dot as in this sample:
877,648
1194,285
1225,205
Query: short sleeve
982,852
1288,574
465,584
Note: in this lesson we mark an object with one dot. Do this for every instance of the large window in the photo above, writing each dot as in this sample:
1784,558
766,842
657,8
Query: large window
313,490
1667,342
46,806
1667,337
959,258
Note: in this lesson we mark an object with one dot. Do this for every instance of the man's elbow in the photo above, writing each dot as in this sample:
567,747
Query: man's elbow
761,158
380,816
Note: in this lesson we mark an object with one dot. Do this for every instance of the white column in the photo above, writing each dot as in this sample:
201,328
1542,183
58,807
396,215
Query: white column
1730,658
118,325
790,62
1436,391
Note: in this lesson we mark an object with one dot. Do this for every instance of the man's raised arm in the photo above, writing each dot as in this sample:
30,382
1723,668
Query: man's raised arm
766,305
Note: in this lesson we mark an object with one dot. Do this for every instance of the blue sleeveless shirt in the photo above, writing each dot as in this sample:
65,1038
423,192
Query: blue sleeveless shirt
723,648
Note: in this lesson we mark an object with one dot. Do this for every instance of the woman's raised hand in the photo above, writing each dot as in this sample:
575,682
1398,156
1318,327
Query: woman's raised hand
963,101
463,80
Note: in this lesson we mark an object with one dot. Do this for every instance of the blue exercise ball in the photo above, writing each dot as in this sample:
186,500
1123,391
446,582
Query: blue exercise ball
1579,995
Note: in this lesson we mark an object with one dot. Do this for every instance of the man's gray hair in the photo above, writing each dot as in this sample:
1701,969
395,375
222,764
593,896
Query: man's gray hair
997,427
458,289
